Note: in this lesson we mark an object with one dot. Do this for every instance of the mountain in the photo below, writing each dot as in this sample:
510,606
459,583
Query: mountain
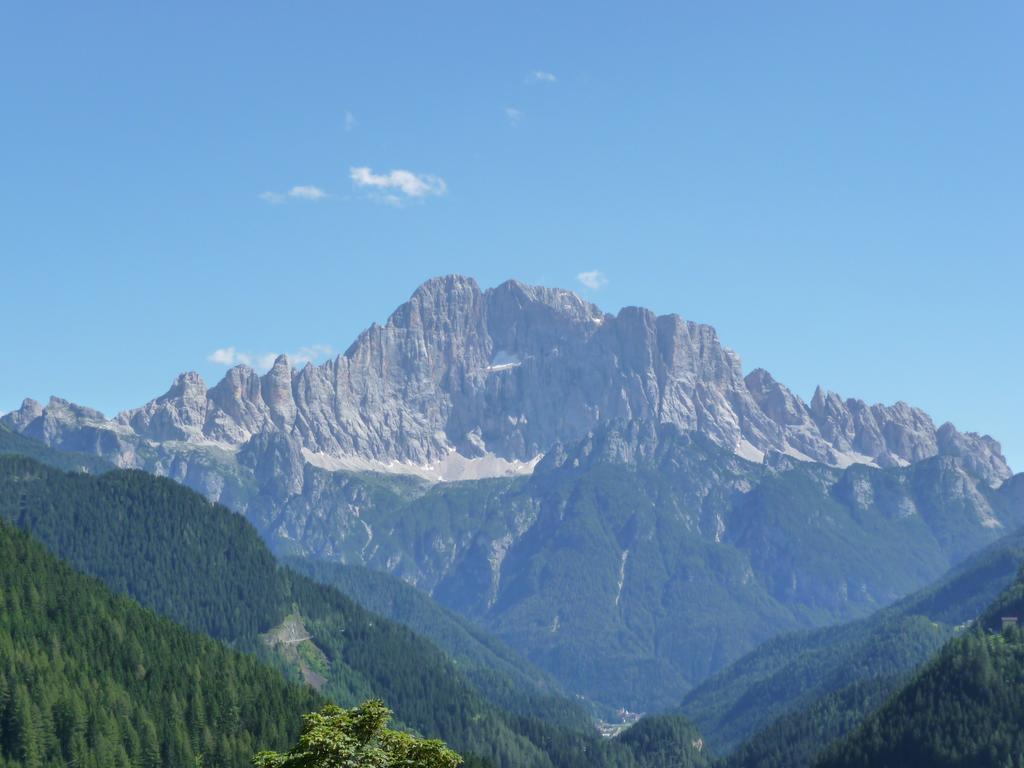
205,567
634,513
688,555
11,443
461,382
964,708
797,693
640,560
91,679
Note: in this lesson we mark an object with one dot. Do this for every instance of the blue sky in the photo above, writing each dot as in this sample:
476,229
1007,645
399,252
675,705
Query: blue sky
837,187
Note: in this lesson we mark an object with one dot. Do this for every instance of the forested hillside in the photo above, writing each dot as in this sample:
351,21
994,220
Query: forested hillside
88,678
966,708
204,566
499,672
807,689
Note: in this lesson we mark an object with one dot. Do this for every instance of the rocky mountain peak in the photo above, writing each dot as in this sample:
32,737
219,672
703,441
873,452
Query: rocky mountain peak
30,411
276,390
458,375
187,385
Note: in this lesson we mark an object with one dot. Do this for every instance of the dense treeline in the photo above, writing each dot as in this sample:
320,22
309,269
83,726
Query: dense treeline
964,709
149,537
204,566
91,679
666,741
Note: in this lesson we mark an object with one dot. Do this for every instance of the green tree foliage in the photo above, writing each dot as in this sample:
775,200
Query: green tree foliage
798,737
964,709
92,679
358,738
666,741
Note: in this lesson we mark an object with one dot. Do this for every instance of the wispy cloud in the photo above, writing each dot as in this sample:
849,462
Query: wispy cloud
592,280
513,114
307,192
350,121
398,182
540,76
231,356
300,192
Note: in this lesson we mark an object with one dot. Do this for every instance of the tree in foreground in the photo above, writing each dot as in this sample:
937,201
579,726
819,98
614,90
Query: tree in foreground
358,738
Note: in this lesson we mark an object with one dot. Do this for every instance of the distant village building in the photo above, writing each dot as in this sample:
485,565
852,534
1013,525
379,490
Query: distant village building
1009,621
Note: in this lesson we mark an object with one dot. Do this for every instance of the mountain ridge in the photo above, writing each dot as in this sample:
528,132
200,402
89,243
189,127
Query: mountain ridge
461,382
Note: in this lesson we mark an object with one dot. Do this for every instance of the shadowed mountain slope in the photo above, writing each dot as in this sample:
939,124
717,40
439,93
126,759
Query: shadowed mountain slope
800,692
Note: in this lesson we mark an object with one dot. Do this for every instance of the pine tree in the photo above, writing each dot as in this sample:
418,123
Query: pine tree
25,742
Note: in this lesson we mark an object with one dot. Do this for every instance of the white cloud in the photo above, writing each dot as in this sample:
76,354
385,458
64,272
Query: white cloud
300,192
513,114
230,356
540,76
310,354
307,192
350,121
408,183
592,280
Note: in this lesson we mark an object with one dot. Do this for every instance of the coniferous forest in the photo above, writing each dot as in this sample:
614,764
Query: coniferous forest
203,566
88,678
966,708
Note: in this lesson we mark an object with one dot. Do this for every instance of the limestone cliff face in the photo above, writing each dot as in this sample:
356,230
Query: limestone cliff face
458,374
